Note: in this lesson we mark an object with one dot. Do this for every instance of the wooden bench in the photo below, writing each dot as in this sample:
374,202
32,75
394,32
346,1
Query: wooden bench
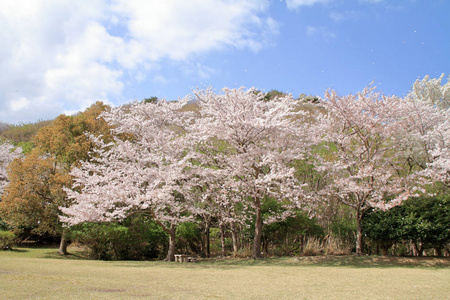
185,258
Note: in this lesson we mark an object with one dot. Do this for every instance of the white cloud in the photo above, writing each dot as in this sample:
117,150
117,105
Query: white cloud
64,55
19,104
176,29
295,4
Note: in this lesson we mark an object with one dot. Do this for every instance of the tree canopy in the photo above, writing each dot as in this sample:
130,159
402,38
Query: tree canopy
256,164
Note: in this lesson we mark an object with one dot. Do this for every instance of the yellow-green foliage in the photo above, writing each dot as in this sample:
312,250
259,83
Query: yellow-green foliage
7,240
24,132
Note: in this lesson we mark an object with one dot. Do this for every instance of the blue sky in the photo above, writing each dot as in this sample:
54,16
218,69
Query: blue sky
61,56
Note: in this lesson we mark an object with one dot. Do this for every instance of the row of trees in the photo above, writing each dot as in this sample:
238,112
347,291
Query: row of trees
223,157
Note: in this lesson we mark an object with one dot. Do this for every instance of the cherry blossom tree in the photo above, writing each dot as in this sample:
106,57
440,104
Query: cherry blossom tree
261,139
144,173
439,167
218,200
363,164
432,91
7,154
425,115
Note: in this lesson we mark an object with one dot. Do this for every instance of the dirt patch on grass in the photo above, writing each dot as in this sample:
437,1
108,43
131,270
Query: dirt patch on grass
107,290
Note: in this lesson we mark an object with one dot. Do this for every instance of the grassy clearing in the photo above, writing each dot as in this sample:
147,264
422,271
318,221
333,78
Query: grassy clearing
39,273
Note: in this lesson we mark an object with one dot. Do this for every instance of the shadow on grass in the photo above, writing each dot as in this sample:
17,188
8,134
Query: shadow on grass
16,250
349,261
334,261
346,261
76,254
65,257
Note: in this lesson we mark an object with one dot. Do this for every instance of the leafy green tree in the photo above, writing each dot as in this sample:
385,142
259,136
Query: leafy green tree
65,139
30,202
424,221
135,238
36,190
272,94
189,237
153,99
383,227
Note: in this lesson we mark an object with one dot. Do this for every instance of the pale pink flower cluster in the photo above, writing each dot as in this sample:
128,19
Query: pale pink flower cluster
7,154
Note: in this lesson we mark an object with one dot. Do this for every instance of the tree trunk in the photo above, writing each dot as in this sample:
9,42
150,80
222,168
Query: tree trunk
358,234
418,248
222,237
234,237
415,252
64,243
258,231
172,243
206,224
207,236
265,244
203,245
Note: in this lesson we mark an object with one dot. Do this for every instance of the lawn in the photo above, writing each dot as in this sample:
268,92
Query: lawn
29,273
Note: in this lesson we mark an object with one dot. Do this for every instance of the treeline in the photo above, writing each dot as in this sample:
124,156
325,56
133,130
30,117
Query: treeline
156,178
21,135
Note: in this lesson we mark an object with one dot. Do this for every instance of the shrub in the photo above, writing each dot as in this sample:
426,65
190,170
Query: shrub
425,221
333,245
189,237
313,247
344,228
287,237
133,239
330,245
382,229
7,240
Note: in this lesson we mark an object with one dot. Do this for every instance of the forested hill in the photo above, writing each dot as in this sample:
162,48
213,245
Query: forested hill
21,134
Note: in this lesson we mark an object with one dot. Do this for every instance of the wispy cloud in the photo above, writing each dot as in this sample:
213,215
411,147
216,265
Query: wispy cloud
198,71
371,1
320,31
341,16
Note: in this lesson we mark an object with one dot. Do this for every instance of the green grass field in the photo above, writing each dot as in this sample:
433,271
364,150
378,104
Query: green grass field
34,273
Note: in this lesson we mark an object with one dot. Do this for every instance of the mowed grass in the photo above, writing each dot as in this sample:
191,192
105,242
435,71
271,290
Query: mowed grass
33,273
